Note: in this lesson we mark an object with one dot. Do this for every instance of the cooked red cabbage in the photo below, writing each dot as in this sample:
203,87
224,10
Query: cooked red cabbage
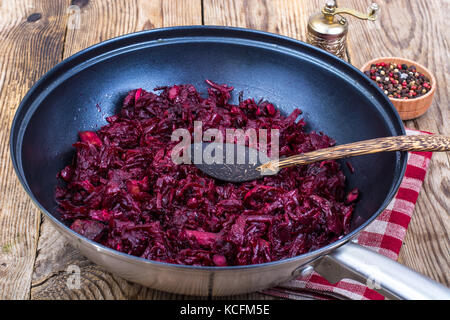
123,190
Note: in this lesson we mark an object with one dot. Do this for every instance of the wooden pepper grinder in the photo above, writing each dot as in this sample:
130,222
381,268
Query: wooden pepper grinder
328,29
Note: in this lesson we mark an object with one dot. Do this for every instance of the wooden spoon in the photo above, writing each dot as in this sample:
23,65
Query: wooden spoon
250,171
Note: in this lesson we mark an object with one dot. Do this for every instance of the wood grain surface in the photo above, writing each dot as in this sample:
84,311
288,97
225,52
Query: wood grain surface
35,35
31,34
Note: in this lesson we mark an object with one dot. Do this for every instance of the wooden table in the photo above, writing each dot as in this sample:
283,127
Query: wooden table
36,35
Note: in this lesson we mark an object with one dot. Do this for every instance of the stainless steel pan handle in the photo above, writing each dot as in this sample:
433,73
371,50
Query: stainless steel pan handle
380,273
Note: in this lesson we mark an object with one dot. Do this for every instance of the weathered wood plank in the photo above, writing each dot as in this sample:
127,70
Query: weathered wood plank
416,30
286,17
96,21
31,34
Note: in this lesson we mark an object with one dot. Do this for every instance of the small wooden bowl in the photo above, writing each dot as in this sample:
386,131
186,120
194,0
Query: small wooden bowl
410,108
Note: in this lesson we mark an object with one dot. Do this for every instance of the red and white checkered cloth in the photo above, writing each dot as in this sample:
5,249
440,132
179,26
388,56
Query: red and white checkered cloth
384,235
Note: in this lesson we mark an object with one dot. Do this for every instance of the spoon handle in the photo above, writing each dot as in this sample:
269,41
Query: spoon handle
397,143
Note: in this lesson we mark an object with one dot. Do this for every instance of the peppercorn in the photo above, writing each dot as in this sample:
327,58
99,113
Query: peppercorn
399,80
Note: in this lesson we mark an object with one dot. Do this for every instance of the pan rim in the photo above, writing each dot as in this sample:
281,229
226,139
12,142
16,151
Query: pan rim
199,31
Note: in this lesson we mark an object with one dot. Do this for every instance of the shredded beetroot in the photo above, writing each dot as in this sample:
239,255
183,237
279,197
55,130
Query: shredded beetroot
123,190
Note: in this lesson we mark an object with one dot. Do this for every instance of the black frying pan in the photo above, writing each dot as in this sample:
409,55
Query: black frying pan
335,98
